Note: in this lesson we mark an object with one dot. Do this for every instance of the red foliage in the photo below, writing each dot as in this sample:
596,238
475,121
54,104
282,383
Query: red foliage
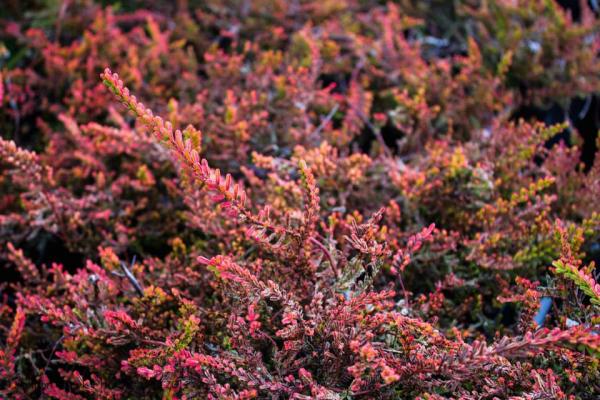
385,228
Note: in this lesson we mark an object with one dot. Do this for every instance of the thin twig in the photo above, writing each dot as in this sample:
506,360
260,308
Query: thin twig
326,253
326,120
376,131
153,342
132,278
404,292
52,354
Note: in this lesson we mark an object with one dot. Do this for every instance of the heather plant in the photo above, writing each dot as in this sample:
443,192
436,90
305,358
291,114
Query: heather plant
304,200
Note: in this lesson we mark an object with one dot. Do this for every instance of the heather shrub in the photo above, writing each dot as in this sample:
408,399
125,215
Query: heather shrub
305,200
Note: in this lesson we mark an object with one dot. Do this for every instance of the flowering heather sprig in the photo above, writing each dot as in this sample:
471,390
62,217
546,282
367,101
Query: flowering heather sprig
364,237
229,194
546,386
7,354
544,339
584,281
225,268
311,206
26,162
403,256
569,264
244,282
25,266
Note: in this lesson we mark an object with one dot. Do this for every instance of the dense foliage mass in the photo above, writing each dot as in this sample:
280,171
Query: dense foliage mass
408,208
